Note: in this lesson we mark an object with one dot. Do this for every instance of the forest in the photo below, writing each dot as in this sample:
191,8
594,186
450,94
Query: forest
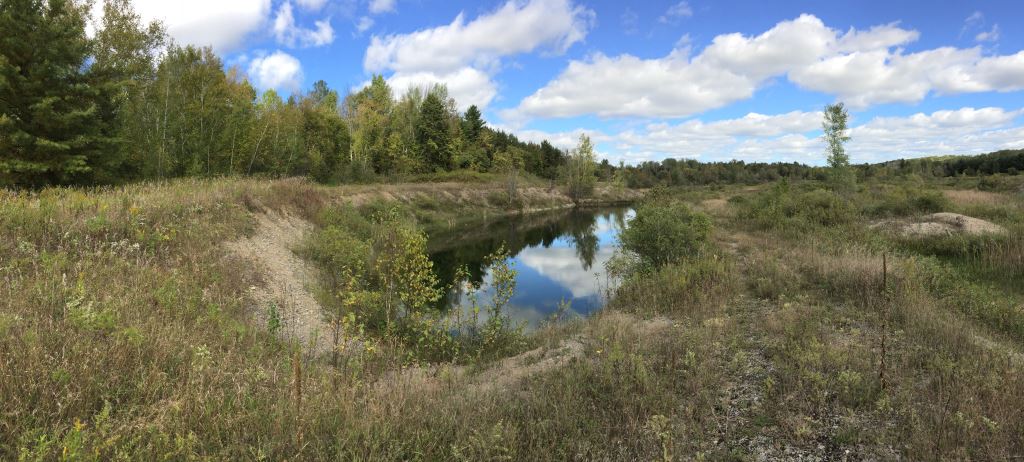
129,104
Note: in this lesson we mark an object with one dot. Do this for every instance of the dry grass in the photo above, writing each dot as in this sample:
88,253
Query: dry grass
125,333
975,197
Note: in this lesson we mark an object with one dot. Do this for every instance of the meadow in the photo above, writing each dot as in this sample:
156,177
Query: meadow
777,321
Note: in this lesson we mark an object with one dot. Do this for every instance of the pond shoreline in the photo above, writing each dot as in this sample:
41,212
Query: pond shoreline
559,254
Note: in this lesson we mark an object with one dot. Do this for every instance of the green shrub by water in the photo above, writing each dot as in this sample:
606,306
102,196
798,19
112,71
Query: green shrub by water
666,233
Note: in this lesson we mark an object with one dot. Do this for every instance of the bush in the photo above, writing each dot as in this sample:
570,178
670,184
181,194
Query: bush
783,209
906,201
666,233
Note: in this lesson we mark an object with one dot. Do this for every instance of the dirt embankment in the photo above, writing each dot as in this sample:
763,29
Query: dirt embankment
941,224
492,197
284,302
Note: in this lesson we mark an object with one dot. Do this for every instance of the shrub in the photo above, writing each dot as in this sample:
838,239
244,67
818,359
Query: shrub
783,209
666,233
907,201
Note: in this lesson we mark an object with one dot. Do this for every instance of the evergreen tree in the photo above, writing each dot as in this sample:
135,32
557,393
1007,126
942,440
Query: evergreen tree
433,135
472,124
553,159
49,132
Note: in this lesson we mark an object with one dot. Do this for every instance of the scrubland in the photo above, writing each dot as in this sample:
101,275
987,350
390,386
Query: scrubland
775,322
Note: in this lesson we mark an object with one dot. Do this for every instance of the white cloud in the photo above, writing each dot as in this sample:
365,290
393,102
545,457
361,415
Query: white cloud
467,85
965,130
676,12
627,85
561,140
794,137
311,5
990,35
861,67
730,69
278,70
562,265
222,24
364,24
466,55
514,28
382,6
291,35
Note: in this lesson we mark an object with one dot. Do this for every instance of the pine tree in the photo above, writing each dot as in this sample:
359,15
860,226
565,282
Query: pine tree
552,157
472,124
433,135
48,124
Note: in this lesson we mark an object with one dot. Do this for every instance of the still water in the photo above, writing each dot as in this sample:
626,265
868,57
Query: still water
558,256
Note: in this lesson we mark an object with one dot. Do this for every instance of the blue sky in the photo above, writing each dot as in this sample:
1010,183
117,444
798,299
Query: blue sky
710,80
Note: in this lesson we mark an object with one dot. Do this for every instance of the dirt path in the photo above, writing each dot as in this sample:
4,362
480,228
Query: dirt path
286,279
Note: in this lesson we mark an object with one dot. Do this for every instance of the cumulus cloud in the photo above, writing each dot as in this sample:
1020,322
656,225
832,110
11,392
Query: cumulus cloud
467,85
382,6
471,51
966,130
794,137
861,67
562,140
289,34
222,25
562,265
279,71
514,28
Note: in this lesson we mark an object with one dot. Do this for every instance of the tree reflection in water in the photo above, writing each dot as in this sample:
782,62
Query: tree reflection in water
556,254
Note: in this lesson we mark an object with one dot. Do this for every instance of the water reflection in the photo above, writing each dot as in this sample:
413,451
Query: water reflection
558,256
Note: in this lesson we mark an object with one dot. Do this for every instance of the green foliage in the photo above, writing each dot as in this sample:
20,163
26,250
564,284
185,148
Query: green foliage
907,200
273,319
128,104
781,208
834,128
49,129
433,134
402,269
473,124
663,233
580,170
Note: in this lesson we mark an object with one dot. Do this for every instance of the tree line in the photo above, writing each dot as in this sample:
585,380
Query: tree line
689,172
129,104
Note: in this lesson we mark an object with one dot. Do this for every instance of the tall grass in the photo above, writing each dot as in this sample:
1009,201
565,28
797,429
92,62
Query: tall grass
125,334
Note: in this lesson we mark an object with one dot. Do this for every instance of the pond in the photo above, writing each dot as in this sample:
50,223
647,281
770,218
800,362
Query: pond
558,256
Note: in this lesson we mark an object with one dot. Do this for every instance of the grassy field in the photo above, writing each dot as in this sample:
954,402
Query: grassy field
129,331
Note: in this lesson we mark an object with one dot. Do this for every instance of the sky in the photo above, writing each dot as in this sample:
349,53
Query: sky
701,79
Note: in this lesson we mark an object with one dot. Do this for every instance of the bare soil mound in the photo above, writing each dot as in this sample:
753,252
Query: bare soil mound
285,279
941,224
